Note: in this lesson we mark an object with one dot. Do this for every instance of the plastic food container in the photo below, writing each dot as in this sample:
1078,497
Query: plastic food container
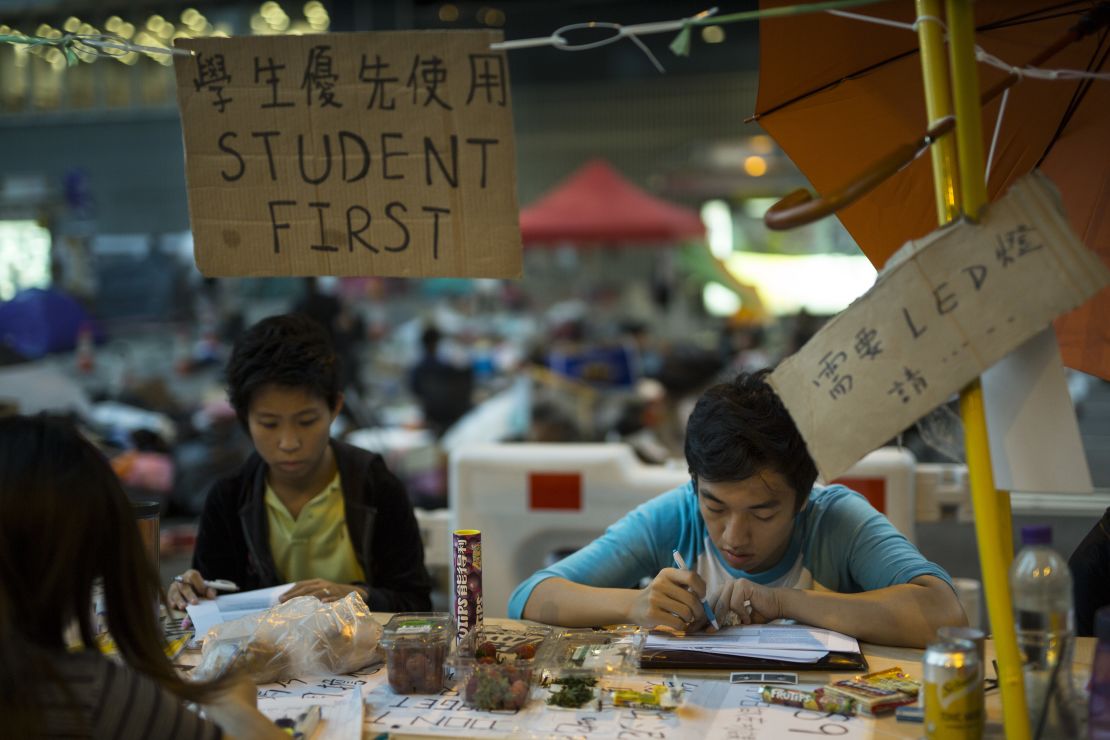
416,647
496,665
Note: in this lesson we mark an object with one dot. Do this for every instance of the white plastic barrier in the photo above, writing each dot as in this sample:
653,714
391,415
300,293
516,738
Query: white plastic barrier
435,533
943,495
886,478
531,500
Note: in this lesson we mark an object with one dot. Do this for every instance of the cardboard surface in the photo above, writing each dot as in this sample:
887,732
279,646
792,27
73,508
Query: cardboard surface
944,310
381,153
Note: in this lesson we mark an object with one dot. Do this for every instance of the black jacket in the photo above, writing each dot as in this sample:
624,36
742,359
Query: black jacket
1090,572
233,540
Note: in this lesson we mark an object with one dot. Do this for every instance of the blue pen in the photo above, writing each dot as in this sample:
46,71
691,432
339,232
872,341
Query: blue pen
704,602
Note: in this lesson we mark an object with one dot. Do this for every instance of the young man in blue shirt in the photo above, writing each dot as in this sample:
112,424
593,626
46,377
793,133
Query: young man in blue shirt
761,542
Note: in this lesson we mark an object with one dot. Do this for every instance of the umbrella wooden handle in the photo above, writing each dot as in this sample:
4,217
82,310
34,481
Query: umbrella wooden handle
801,207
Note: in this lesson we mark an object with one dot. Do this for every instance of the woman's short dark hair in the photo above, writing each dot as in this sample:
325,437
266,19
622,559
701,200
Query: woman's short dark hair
66,522
290,350
741,427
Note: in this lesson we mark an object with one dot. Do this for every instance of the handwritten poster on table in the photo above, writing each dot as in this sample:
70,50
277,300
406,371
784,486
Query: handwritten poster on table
340,698
339,719
945,309
446,714
381,153
712,709
743,715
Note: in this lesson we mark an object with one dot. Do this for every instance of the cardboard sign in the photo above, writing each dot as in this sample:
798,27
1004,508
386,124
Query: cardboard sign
945,309
351,154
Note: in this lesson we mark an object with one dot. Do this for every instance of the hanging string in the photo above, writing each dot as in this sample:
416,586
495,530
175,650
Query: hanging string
997,128
1037,73
97,45
631,32
681,44
874,19
559,40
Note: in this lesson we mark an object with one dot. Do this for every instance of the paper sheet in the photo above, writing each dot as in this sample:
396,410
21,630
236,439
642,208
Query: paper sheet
790,642
1033,432
341,717
210,612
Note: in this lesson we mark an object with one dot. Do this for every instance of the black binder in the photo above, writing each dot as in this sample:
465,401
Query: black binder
670,659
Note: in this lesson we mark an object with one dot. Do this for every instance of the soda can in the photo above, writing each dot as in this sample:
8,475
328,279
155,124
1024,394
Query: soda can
972,635
466,545
953,691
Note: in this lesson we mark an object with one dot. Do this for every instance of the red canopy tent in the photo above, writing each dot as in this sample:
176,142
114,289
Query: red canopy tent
596,206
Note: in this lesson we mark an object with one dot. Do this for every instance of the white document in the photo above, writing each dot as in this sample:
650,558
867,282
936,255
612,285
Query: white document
210,612
795,643
785,656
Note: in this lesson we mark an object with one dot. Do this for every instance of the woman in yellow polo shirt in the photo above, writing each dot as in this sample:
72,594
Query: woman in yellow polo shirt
304,508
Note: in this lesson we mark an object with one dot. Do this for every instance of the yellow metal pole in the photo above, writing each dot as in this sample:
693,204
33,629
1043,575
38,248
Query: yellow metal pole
938,104
992,509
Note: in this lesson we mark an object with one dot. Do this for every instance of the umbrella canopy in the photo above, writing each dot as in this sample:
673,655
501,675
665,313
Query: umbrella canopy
839,93
36,322
596,206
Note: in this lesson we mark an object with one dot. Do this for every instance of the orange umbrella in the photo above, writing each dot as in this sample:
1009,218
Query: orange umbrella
839,94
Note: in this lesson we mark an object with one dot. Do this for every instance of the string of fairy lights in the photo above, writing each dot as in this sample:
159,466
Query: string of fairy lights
152,38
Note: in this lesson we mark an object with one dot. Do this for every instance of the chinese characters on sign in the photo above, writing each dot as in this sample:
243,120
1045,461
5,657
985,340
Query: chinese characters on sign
866,347
351,154
212,76
946,309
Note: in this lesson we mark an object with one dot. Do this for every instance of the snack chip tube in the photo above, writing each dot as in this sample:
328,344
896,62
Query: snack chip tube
466,544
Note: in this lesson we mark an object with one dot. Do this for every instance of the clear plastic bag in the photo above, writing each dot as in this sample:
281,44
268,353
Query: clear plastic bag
579,658
303,636
596,653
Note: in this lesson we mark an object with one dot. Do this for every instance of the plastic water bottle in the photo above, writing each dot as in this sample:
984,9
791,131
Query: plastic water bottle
1045,621
1099,710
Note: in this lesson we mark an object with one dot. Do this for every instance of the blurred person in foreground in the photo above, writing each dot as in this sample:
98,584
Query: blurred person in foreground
304,508
65,522
761,540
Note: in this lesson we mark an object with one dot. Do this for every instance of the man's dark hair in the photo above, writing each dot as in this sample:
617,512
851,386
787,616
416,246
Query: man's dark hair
290,350
429,338
740,428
